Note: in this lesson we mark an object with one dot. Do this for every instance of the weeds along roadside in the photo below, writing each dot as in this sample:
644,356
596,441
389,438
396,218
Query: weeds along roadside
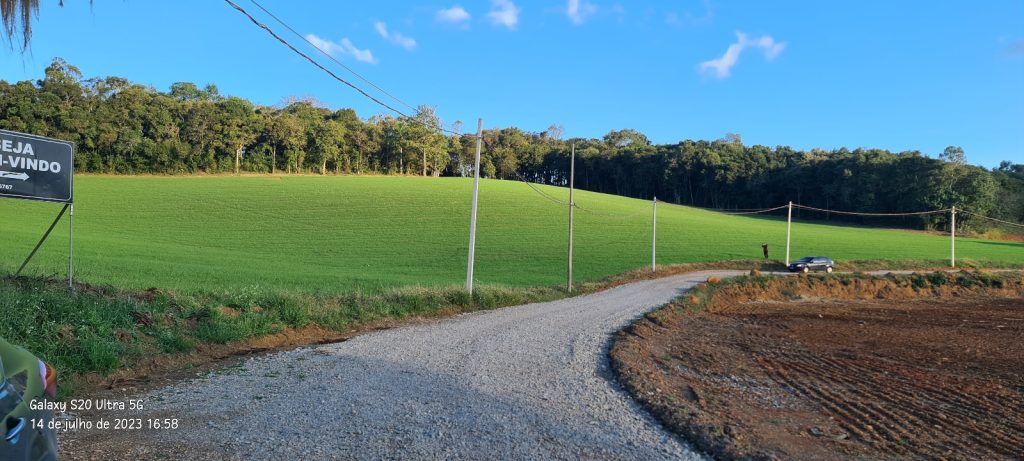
96,331
855,285
99,330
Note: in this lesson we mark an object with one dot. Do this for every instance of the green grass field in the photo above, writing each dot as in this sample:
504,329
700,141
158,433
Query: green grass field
336,234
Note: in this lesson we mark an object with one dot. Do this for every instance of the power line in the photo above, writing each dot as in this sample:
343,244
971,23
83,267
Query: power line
328,55
993,219
730,211
766,210
329,72
542,193
311,60
854,213
615,217
724,210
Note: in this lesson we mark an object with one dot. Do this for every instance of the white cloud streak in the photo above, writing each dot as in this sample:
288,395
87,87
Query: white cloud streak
394,37
504,13
455,14
343,48
722,66
579,10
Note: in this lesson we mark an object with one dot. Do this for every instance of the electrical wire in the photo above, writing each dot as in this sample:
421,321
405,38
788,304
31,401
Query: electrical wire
767,210
311,60
728,210
542,193
328,55
328,71
1009,223
854,213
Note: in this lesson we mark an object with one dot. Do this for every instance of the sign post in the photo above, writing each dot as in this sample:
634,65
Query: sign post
37,168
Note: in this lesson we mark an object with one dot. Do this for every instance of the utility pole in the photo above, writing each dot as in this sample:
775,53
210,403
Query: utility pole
654,234
952,237
572,177
476,193
789,229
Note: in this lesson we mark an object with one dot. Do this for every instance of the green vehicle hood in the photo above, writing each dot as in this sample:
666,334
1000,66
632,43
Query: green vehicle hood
13,361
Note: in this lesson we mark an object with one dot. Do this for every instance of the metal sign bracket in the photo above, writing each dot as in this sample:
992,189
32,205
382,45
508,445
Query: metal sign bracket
47,235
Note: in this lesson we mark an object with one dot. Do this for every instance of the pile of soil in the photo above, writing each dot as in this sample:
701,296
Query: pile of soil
782,369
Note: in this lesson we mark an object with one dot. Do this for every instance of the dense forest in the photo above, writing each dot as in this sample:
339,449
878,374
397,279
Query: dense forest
125,128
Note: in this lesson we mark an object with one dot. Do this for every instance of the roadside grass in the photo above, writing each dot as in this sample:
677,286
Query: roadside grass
338,234
97,330
100,329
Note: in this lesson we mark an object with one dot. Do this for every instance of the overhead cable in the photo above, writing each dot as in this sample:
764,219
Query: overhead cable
328,71
1008,223
332,58
855,213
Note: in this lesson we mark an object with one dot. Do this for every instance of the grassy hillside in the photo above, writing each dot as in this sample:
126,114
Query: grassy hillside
334,234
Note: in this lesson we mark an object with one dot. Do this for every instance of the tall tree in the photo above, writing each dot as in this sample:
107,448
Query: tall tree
238,126
325,142
285,134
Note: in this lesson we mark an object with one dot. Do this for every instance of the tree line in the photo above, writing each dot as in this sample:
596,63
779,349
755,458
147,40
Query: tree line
120,127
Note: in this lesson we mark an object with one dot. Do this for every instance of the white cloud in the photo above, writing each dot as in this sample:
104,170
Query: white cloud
770,46
345,47
327,46
504,13
394,37
722,66
455,14
578,10
361,55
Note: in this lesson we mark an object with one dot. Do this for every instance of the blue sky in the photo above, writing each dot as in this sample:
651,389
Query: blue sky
894,75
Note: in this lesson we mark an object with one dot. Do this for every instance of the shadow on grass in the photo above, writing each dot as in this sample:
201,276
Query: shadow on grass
1005,244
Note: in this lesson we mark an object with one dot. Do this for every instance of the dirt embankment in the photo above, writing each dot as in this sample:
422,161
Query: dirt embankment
840,367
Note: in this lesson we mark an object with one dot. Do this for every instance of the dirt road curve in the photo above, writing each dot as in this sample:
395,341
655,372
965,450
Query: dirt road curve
526,382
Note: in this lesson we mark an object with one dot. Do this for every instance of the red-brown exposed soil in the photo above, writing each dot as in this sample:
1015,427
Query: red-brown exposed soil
934,377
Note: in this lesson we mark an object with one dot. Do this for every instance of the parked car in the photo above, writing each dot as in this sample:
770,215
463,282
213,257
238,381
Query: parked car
812,263
25,378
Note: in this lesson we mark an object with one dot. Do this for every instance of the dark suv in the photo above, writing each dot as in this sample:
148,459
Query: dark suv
812,263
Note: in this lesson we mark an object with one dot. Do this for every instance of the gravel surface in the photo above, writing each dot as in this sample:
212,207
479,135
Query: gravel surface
524,382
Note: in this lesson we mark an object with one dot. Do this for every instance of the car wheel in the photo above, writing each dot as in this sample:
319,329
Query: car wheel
828,269
807,269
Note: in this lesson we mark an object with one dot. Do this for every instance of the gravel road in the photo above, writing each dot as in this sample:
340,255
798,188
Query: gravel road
524,382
